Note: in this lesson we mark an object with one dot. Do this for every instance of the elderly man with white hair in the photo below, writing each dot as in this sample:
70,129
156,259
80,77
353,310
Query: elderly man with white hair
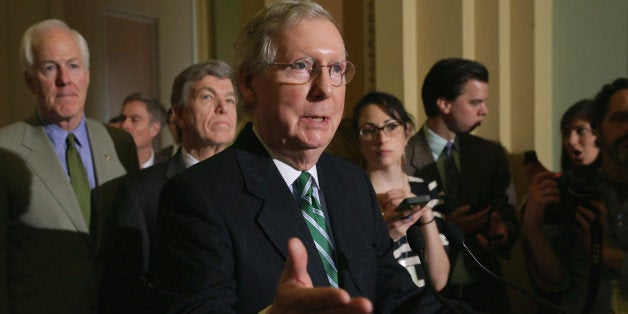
56,168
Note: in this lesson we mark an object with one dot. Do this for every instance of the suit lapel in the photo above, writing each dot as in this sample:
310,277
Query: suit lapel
107,168
423,161
106,163
419,153
175,165
340,210
279,214
46,165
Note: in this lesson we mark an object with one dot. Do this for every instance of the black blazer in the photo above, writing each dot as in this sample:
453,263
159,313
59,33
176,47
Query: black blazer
126,284
225,224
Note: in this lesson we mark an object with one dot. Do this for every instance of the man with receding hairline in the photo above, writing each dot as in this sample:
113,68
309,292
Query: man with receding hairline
203,102
272,222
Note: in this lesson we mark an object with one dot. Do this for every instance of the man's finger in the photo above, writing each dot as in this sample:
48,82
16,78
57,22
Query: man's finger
295,270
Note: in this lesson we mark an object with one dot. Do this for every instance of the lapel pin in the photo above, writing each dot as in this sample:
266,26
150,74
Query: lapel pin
108,157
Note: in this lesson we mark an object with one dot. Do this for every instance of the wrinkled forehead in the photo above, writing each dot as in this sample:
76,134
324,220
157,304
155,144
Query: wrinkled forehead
56,43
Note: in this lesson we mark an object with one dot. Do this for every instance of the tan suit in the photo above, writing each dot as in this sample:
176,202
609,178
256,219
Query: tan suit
48,259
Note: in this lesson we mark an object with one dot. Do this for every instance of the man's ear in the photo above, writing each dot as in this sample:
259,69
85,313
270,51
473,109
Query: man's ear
177,113
444,105
155,128
245,82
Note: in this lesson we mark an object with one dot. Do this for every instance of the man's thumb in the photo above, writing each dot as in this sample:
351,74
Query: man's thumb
295,270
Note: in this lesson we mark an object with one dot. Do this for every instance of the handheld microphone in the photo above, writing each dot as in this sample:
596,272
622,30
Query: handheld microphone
456,237
417,244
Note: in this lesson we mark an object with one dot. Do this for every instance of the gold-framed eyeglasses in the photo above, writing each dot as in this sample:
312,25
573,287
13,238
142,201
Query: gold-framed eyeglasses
307,69
391,129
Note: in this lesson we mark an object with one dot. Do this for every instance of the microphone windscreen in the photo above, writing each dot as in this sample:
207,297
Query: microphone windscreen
454,234
415,238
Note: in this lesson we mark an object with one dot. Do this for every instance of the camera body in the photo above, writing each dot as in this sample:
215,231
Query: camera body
577,187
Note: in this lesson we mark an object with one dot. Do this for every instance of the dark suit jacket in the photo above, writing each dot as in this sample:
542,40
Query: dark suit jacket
49,262
484,180
225,224
126,284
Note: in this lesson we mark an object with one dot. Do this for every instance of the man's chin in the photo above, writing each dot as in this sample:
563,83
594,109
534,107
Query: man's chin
469,129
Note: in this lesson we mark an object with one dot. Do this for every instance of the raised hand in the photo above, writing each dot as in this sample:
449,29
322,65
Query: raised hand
295,293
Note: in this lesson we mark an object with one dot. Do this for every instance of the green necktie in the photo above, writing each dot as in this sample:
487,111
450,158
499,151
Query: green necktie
78,178
315,221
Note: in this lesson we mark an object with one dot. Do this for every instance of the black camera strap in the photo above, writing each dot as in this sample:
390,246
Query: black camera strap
596,232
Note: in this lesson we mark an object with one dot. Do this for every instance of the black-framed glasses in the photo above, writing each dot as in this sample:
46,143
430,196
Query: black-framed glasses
391,129
307,69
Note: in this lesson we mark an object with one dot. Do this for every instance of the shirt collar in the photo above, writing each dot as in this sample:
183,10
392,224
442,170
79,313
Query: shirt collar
288,173
436,142
58,135
150,161
188,159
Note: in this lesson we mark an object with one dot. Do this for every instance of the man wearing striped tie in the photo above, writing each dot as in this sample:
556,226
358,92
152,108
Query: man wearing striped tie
273,223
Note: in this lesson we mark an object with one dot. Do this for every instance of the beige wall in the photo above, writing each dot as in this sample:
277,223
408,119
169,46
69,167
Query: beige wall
542,55
175,49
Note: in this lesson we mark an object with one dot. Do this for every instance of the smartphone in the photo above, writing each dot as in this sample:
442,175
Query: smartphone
410,202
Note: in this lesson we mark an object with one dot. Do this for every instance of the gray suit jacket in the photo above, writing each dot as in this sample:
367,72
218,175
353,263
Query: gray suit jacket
47,256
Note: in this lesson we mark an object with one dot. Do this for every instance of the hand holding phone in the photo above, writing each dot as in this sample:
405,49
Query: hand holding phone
410,202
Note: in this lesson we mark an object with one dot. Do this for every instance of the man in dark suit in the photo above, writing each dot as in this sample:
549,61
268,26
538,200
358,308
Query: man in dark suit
144,117
57,175
203,102
477,181
272,222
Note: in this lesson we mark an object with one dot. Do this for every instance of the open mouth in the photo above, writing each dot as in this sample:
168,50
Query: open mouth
317,118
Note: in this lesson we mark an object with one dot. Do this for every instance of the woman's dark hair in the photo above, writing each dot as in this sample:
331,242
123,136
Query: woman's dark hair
391,105
581,110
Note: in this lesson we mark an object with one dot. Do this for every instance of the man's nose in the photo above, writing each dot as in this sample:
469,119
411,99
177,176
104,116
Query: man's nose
126,124
63,77
484,109
322,86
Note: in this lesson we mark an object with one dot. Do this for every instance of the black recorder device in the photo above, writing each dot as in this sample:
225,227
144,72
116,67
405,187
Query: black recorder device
410,202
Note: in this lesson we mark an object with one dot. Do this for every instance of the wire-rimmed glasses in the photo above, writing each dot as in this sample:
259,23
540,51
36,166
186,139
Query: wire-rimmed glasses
307,69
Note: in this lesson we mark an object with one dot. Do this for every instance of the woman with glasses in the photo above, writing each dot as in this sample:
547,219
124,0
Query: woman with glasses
384,127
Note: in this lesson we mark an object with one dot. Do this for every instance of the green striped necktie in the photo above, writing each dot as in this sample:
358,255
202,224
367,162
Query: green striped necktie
78,178
315,221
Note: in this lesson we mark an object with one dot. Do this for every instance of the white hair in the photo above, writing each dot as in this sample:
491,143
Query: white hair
26,49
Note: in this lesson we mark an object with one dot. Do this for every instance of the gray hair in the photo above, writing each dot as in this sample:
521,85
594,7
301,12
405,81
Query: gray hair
26,48
182,85
254,47
154,107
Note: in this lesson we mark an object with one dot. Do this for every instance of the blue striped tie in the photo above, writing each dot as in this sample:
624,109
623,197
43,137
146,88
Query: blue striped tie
315,221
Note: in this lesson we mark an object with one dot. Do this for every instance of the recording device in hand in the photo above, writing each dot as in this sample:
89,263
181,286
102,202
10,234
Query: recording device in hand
410,202
456,237
577,186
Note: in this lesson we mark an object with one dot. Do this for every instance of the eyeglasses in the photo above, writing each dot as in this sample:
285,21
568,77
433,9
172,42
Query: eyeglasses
370,132
307,69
